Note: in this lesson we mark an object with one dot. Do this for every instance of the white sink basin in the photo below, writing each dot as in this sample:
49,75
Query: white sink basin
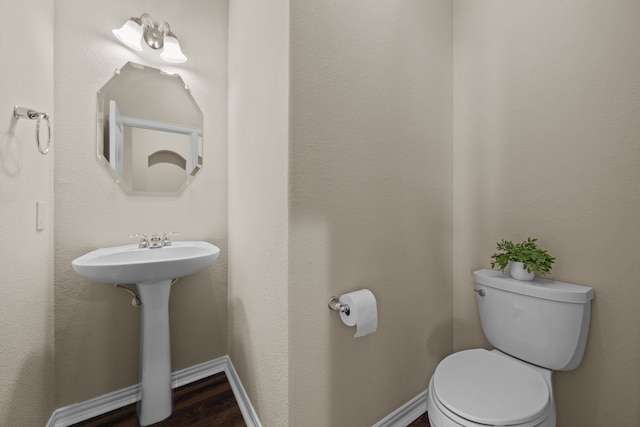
131,264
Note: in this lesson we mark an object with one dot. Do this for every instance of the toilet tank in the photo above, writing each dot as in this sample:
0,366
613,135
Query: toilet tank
542,322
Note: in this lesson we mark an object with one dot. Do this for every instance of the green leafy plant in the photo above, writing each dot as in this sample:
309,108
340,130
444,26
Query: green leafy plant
527,252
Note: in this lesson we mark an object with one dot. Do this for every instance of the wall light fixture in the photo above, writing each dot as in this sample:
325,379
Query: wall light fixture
156,36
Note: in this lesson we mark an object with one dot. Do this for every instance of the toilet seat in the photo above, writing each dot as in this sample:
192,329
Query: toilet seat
486,388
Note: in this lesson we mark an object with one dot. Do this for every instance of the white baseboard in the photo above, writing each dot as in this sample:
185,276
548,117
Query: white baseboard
72,414
406,414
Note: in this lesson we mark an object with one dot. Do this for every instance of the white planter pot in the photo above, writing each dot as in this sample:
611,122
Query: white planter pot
519,272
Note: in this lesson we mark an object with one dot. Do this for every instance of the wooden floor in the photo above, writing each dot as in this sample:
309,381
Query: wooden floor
205,403
423,421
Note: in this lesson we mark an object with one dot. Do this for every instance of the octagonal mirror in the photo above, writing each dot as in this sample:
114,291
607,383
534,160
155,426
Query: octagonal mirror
149,131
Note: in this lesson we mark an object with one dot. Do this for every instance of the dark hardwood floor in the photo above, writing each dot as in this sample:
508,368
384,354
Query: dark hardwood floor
205,403
423,421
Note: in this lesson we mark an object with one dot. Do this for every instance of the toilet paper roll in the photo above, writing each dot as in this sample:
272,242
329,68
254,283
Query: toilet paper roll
363,311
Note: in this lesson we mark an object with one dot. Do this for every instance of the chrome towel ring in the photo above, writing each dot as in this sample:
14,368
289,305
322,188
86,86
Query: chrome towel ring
31,114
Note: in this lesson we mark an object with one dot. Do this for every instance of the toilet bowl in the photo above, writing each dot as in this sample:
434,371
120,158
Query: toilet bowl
488,388
536,327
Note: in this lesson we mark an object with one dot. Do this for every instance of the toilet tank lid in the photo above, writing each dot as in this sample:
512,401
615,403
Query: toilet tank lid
539,288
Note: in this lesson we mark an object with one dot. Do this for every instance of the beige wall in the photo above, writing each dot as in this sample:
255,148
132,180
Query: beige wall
258,218
370,203
97,329
546,143
367,203
26,255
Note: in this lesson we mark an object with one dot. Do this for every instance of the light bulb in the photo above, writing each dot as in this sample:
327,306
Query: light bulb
130,34
171,52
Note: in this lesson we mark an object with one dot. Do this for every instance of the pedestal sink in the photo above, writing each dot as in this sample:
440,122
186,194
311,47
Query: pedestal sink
152,270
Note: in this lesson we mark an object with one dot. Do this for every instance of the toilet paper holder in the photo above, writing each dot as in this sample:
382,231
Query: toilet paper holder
336,305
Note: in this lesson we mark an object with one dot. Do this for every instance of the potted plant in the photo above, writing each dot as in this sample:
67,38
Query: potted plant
525,258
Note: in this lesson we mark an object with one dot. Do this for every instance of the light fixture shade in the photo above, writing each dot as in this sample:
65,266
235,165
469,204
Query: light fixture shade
130,34
172,52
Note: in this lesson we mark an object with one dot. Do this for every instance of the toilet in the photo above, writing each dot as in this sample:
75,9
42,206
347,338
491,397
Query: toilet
536,328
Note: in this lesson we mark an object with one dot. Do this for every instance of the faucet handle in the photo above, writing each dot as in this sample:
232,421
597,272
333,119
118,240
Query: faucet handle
166,237
144,240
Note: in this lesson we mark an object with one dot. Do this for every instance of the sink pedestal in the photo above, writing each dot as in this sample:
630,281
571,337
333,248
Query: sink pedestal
156,401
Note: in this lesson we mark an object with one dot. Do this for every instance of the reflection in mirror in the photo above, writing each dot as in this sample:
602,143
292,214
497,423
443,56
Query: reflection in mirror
149,131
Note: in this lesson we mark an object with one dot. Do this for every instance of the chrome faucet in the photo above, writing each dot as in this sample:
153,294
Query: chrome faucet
155,241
